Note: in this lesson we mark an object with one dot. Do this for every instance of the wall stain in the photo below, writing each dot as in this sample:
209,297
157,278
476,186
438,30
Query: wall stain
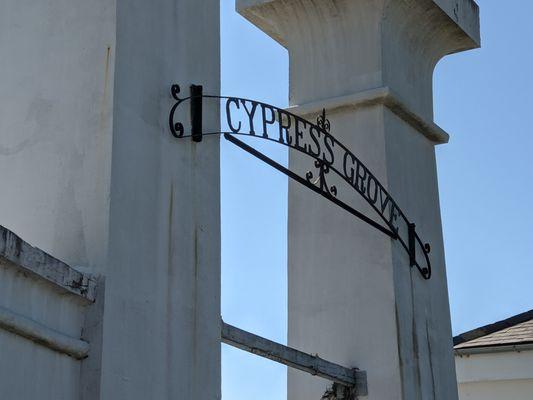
416,350
399,345
430,360
170,281
195,314
106,88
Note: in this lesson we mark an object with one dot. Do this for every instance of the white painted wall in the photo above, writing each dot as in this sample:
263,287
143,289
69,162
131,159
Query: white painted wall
162,315
497,390
56,96
56,93
92,176
29,370
495,375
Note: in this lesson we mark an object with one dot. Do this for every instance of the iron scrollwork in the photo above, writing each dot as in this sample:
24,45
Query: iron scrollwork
256,119
323,168
176,127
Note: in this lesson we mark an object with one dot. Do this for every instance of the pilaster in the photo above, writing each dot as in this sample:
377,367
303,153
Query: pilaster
353,297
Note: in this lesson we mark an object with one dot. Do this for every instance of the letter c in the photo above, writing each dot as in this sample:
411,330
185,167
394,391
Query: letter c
228,114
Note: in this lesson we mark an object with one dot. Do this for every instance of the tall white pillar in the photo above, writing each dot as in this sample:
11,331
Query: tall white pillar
92,175
353,297
161,332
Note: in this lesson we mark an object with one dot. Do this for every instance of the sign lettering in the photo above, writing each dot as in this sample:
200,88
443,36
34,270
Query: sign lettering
260,120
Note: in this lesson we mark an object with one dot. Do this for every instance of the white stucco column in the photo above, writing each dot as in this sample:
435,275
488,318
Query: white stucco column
92,175
353,297
161,336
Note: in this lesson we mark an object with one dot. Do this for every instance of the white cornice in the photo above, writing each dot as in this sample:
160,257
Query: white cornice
371,97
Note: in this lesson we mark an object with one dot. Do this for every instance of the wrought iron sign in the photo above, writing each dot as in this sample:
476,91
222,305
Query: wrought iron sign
260,120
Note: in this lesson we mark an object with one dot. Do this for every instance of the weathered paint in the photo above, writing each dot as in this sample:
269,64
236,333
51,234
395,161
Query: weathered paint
14,250
41,325
312,364
352,296
55,125
41,334
492,374
92,173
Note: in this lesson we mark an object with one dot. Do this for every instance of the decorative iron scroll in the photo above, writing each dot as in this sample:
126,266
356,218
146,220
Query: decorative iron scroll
260,120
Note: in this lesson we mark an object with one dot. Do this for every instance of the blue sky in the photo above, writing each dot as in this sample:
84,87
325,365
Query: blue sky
483,98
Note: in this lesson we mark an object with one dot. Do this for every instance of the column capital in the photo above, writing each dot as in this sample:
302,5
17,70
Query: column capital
342,47
464,14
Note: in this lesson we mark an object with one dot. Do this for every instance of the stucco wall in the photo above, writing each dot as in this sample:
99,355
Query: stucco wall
56,88
92,175
161,334
498,390
43,304
495,376
29,370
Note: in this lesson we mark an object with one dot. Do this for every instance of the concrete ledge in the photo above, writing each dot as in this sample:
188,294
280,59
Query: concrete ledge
462,13
43,335
384,96
465,13
20,254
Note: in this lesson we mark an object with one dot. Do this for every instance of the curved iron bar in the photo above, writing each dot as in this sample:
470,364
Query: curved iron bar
322,126
176,127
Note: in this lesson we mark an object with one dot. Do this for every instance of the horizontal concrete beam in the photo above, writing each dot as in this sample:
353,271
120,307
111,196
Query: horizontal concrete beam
43,335
293,358
20,254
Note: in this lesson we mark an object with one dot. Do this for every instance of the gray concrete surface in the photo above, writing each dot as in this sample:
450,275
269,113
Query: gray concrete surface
161,335
56,93
353,297
41,323
93,177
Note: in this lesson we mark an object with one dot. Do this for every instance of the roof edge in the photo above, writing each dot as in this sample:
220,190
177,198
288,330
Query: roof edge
491,328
